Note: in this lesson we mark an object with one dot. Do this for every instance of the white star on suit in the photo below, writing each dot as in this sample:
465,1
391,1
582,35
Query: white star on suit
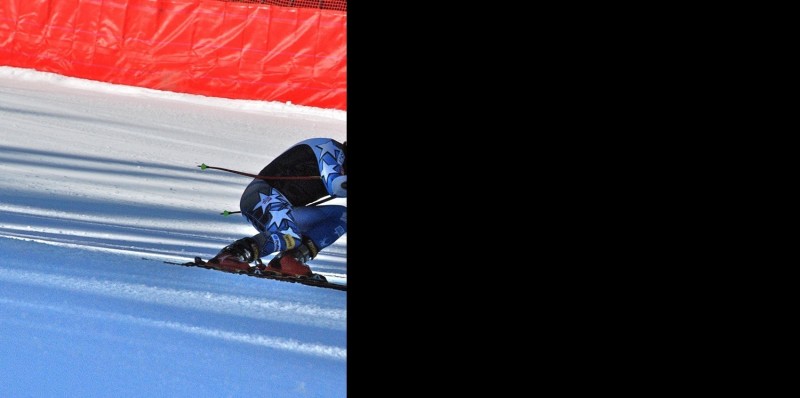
278,216
266,200
327,169
327,148
290,232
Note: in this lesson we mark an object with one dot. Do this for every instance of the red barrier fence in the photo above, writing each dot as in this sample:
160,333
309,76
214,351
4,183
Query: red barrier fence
229,49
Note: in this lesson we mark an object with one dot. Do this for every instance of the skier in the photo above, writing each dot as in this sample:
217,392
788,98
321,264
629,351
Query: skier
277,209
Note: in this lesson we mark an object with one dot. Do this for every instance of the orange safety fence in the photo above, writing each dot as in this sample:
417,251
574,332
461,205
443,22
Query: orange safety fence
229,49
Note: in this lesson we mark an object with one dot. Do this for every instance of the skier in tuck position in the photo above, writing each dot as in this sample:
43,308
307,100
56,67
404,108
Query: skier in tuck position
278,209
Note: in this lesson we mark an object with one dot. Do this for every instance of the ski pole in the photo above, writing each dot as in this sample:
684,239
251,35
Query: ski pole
204,166
227,213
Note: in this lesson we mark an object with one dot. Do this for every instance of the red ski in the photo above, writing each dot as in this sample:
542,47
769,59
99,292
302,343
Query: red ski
315,280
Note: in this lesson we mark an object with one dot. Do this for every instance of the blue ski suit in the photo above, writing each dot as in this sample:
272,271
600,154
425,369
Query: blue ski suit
277,208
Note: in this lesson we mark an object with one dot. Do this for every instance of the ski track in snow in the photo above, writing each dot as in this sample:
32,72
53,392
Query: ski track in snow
328,352
336,353
244,306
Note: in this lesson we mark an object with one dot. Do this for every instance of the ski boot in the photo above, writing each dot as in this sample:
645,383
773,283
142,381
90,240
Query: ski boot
293,262
237,256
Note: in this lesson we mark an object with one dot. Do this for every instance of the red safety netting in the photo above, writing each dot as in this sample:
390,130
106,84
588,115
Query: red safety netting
208,47
339,5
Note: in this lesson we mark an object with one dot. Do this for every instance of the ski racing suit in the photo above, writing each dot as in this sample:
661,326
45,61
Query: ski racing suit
277,208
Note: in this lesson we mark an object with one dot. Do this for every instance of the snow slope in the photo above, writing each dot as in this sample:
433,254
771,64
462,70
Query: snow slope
99,185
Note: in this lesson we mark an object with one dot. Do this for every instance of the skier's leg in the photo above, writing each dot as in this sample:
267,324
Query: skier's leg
322,224
319,227
272,215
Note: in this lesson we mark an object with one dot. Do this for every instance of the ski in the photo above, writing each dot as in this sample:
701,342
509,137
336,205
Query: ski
257,273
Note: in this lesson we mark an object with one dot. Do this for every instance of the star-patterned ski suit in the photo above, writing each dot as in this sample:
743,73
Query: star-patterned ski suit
276,208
